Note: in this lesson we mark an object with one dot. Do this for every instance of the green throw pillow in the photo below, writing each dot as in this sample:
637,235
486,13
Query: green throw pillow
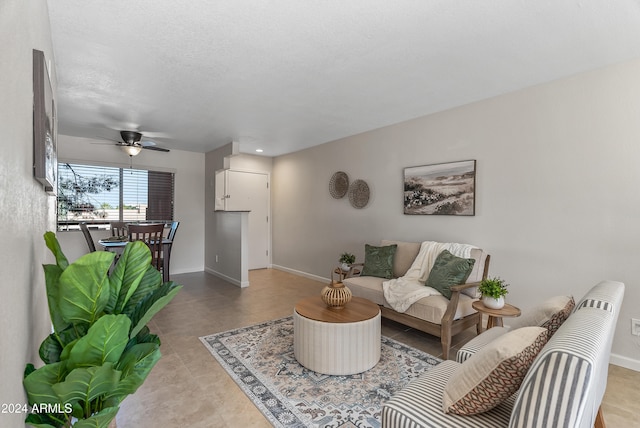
449,270
378,261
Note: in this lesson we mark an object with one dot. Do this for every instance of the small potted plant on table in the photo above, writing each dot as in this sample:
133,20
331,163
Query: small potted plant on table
493,291
346,260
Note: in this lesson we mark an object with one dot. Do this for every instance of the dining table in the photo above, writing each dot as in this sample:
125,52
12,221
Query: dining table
117,244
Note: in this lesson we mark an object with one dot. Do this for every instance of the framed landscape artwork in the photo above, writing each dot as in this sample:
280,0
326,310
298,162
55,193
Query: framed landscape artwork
441,189
45,154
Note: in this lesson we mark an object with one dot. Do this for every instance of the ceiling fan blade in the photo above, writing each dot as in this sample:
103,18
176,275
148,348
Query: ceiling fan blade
156,148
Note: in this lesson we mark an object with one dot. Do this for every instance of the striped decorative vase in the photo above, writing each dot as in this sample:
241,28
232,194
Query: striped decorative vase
336,295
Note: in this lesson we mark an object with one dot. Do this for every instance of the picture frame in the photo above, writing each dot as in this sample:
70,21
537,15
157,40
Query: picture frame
441,189
45,147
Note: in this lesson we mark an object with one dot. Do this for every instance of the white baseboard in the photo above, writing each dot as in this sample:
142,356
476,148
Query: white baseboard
187,270
241,284
300,273
626,362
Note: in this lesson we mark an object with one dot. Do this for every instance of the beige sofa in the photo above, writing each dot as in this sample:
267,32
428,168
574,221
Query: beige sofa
435,315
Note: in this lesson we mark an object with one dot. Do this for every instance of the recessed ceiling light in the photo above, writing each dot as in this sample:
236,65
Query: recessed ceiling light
259,150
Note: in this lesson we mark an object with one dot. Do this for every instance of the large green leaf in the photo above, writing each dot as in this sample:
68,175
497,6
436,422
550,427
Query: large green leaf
53,244
39,384
52,280
30,368
39,420
150,282
127,274
151,305
55,347
50,349
85,384
143,336
64,356
98,420
84,287
73,332
139,359
135,365
103,343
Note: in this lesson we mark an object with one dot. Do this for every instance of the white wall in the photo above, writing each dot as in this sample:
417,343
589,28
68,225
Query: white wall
187,254
26,212
558,173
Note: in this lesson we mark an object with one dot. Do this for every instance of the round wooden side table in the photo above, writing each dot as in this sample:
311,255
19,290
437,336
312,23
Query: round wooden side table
495,315
342,274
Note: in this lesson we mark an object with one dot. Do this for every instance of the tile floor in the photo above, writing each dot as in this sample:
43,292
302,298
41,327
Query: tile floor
188,388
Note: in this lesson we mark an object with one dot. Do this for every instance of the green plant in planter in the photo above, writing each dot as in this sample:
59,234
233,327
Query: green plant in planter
493,287
347,258
101,349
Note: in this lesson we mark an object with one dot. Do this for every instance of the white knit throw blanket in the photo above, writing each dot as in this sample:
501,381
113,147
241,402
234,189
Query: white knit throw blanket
403,292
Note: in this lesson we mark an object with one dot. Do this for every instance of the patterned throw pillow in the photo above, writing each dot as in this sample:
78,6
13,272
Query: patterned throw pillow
378,261
494,373
449,270
556,320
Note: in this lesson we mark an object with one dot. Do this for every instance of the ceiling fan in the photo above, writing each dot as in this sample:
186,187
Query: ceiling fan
132,143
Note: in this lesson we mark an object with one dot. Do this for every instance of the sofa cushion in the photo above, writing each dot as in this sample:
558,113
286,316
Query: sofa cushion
406,253
432,308
378,261
367,287
480,256
494,373
549,314
448,270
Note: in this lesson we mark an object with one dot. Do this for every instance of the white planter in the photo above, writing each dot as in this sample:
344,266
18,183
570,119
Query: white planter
492,303
345,267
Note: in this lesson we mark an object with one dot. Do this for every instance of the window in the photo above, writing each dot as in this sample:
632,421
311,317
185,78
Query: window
99,195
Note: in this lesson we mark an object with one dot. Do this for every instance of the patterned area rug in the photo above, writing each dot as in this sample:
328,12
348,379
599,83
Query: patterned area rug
260,359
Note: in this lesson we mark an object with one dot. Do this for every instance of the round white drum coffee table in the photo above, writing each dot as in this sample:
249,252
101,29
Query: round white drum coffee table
336,342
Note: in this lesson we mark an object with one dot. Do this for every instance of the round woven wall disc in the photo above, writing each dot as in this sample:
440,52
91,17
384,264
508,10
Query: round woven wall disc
359,194
339,184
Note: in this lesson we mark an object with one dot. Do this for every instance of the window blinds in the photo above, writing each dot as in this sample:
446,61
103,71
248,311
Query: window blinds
99,194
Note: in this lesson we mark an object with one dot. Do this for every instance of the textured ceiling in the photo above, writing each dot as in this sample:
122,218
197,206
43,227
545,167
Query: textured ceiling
283,75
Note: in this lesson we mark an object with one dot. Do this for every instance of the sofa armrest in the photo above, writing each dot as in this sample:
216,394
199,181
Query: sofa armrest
351,273
465,286
455,298
480,341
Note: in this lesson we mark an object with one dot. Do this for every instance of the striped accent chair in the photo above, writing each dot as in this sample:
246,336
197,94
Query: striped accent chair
563,388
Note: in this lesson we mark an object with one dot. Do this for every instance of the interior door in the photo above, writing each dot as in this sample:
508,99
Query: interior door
249,191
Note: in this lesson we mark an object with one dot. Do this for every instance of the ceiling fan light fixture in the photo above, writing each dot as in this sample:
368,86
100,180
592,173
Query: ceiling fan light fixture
131,150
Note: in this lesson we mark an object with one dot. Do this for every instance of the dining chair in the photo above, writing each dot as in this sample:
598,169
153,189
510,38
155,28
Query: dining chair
150,234
87,236
119,228
172,231
167,250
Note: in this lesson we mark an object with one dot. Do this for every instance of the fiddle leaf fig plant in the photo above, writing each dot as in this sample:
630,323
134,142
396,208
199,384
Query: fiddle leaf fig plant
100,350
